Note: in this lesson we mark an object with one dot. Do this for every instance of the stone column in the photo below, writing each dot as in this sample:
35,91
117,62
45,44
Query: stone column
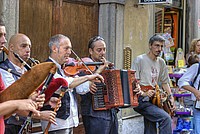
9,12
198,18
111,27
193,15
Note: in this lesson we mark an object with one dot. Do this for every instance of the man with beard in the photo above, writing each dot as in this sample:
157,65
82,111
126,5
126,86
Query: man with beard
151,70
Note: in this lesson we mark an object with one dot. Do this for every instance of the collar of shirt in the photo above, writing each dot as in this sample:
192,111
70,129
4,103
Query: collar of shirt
58,66
19,69
69,79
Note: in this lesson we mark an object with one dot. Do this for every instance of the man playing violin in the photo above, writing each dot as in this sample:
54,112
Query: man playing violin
20,44
67,116
151,70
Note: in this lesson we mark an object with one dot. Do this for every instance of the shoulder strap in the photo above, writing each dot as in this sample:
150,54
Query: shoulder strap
7,64
197,73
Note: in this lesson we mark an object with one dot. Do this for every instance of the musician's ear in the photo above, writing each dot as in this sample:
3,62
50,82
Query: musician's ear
90,51
11,47
150,47
54,48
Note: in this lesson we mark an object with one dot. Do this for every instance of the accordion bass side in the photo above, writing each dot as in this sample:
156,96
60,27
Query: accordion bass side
117,90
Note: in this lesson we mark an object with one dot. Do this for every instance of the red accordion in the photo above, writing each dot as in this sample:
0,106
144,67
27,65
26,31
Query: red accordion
117,90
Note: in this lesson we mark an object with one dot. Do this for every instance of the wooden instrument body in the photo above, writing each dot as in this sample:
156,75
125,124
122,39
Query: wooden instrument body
118,91
157,97
166,104
167,107
28,82
160,99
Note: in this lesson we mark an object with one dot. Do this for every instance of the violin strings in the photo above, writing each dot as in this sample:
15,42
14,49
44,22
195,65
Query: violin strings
82,62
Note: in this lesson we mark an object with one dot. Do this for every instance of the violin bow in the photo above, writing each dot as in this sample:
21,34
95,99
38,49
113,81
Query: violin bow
84,64
82,61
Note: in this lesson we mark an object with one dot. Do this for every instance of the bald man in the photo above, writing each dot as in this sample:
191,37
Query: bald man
11,106
20,44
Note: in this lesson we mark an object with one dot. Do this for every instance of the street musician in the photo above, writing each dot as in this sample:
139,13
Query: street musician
151,70
11,106
20,44
102,121
67,116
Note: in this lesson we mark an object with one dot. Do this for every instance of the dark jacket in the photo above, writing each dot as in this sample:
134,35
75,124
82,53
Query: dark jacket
64,110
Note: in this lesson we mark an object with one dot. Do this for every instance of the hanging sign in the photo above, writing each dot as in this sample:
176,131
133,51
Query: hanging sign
155,1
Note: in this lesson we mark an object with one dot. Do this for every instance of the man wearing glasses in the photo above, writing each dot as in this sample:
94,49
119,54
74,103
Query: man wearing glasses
151,70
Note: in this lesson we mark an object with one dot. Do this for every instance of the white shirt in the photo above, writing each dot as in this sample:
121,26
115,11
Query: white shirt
8,77
189,76
72,120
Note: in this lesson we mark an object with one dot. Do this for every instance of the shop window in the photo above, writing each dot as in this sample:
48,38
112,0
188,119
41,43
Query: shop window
159,13
167,24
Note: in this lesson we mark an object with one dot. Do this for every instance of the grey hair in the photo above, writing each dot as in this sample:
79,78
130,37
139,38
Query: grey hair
157,37
55,40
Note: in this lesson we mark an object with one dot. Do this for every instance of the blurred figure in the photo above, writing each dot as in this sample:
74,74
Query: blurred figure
194,48
193,58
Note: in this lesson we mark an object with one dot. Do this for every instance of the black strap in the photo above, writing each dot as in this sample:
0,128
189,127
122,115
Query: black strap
195,78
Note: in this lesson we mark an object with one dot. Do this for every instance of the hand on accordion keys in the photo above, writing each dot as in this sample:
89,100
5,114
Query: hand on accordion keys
93,88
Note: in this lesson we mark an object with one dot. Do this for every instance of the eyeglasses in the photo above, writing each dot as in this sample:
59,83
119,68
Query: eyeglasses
97,38
94,39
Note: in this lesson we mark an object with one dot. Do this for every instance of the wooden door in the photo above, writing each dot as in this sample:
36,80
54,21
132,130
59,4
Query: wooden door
35,20
40,19
80,23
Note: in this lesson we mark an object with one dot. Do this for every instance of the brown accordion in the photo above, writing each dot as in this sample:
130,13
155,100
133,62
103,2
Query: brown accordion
117,90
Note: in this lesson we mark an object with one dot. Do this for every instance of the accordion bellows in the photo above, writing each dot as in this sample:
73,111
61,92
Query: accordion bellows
117,90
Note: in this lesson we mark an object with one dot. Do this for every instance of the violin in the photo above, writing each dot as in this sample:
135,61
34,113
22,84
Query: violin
74,67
